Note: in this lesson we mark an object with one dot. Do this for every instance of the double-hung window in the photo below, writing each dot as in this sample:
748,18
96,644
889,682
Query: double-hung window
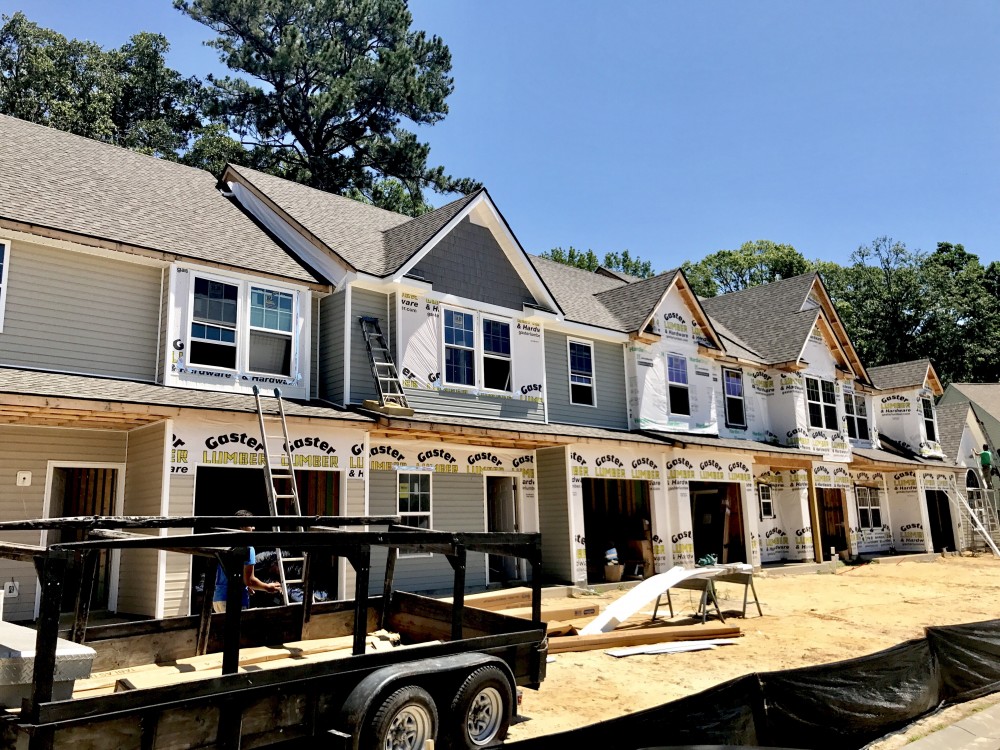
857,416
930,429
821,398
581,373
413,501
869,507
4,266
679,398
214,323
496,355
270,331
764,498
459,348
732,383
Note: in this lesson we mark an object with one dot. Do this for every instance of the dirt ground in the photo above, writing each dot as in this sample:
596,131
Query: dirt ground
808,619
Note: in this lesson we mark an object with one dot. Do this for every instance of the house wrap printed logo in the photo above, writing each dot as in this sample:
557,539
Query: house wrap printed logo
675,327
841,477
762,383
822,477
385,458
798,438
912,533
789,383
774,479
581,469
645,468
680,468
712,470
798,479
775,541
896,406
439,460
905,482
482,463
820,440
838,443
739,472
609,467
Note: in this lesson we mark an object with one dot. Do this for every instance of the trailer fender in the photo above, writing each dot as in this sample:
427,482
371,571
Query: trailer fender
355,710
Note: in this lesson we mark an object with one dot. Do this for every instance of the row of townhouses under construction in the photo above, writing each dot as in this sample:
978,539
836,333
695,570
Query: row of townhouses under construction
141,301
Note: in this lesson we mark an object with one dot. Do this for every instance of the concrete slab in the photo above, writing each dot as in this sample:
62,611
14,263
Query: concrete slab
980,731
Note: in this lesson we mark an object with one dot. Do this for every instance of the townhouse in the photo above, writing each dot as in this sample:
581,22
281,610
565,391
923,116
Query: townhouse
140,302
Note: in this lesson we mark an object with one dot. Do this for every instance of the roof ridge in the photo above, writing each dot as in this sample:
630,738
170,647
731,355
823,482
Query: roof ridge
632,285
578,270
427,215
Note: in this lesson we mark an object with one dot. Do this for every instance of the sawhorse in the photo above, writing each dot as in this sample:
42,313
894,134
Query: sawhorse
707,589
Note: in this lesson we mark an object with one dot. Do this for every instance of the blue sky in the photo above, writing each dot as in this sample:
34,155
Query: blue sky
675,129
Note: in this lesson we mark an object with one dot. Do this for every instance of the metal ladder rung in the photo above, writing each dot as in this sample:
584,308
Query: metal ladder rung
383,368
287,560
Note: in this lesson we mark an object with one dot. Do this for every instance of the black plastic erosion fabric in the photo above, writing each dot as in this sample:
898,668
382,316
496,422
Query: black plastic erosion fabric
968,658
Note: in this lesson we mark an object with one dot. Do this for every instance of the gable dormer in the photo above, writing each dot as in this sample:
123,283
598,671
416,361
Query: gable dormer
906,412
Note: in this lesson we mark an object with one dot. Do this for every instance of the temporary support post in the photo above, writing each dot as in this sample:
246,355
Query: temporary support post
51,572
84,595
457,560
814,518
205,620
361,560
233,563
390,572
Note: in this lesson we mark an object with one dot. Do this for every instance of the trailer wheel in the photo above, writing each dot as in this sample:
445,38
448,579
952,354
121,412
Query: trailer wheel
481,709
405,720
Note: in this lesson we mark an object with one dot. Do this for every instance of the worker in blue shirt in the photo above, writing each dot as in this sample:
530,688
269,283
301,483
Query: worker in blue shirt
250,580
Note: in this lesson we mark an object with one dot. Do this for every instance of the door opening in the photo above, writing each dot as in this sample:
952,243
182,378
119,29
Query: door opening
502,516
939,516
717,521
833,529
616,514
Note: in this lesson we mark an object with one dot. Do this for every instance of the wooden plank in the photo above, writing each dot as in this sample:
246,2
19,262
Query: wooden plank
556,612
640,637
495,601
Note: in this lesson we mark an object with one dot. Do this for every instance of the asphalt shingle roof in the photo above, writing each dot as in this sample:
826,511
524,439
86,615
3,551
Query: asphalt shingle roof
633,303
575,290
370,239
900,375
84,387
768,319
951,419
74,184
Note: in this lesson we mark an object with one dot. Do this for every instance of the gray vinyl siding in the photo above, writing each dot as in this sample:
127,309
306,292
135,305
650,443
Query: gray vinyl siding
458,503
144,478
30,449
314,327
473,405
177,592
80,313
469,263
353,505
609,408
551,473
375,305
165,344
331,347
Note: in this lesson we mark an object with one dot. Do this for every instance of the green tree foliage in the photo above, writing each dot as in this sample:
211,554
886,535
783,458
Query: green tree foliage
324,86
754,263
622,262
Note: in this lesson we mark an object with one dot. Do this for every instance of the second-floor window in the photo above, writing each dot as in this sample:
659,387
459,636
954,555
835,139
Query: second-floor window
581,373
930,429
869,508
459,348
678,396
732,383
496,355
240,324
4,266
766,503
821,398
857,416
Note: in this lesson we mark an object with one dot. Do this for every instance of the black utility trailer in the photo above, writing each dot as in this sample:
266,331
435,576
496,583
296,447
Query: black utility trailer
452,678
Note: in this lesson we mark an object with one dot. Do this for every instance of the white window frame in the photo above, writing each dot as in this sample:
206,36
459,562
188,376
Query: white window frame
592,376
670,384
868,493
429,514
191,338
761,501
476,341
730,422
932,419
243,327
851,402
4,275
822,404
484,355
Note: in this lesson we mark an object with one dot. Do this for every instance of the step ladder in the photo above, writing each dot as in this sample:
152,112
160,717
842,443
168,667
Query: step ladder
982,520
279,477
983,504
390,390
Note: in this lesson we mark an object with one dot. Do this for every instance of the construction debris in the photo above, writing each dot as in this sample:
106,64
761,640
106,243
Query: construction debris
643,635
672,648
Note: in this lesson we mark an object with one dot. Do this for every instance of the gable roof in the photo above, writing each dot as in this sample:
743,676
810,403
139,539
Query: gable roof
910,374
576,290
64,182
951,421
632,303
985,396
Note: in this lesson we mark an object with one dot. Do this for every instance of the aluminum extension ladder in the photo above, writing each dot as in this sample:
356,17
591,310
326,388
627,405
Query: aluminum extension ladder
281,502
984,527
390,390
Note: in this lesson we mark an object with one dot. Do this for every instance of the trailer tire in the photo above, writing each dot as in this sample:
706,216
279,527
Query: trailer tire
406,719
481,710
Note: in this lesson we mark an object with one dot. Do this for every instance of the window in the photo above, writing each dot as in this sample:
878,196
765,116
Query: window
764,498
459,348
929,427
822,400
869,507
677,386
4,265
496,355
213,326
270,331
581,373
857,416
732,384
414,500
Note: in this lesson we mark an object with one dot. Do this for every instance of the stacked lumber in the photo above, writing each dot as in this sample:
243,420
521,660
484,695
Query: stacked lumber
641,635
516,602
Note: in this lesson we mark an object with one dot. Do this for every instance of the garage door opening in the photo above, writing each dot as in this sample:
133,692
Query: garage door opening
616,515
832,526
221,491
717,521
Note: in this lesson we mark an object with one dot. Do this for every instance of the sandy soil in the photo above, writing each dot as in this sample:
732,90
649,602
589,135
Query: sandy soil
808,619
